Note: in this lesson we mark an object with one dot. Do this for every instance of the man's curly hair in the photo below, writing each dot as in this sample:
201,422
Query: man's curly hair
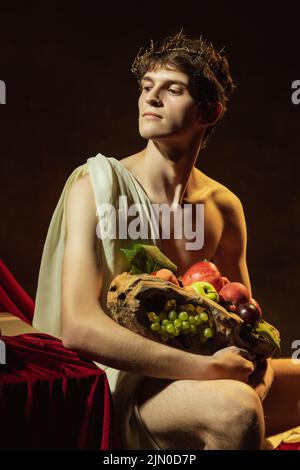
208,70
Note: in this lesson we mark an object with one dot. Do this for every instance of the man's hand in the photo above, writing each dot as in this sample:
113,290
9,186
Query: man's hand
262,378
232,363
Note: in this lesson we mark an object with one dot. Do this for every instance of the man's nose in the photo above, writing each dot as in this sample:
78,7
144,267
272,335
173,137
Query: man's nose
153,98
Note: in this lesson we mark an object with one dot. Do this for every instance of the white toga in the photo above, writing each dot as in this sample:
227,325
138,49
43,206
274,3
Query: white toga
110,179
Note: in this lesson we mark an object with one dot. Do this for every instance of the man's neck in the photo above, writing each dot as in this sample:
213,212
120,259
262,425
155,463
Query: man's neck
167,172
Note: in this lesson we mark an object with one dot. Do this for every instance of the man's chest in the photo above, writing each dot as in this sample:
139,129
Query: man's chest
175,233
205,225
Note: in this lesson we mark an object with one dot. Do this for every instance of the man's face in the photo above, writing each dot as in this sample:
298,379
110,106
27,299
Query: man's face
166,93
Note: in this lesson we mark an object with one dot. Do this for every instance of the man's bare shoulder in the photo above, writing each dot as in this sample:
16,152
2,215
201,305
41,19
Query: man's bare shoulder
82,186
225,199
81,199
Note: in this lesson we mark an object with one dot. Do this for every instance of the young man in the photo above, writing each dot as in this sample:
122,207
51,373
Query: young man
167,398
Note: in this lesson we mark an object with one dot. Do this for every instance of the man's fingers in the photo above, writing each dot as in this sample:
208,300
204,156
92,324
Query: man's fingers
249,357
251,366
246,354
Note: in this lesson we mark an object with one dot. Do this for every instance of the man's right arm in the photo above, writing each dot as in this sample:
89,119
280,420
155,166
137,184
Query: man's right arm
86,327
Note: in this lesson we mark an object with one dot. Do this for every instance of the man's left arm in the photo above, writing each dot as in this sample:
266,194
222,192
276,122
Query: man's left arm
230,256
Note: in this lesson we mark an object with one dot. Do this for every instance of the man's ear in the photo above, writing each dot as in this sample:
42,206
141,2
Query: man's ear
213,115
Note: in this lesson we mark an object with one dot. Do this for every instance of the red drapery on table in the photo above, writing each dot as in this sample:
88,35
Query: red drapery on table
13,298
52,399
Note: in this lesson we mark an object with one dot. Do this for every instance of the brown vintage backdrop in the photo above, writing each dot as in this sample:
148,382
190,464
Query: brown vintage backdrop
70,95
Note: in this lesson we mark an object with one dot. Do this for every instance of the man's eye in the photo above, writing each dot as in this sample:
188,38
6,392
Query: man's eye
172,90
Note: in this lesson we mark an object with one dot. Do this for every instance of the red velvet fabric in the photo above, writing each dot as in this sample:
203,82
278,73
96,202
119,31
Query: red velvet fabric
13,298
50,398
288,446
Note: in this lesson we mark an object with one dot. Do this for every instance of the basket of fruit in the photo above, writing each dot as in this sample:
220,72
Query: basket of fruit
201,313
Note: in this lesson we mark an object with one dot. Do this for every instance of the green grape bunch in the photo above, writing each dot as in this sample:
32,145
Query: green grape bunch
178,321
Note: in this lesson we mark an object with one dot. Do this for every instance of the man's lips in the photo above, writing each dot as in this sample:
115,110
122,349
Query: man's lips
153,115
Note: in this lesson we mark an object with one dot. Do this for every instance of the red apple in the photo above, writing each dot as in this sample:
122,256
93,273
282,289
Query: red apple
233,294
254,302
225,281
249,313
203,271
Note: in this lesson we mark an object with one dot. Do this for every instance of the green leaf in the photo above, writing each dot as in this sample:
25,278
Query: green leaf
269,332
129,253
147,258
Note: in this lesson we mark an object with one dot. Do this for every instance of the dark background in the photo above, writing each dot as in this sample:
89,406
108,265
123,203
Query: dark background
70,95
